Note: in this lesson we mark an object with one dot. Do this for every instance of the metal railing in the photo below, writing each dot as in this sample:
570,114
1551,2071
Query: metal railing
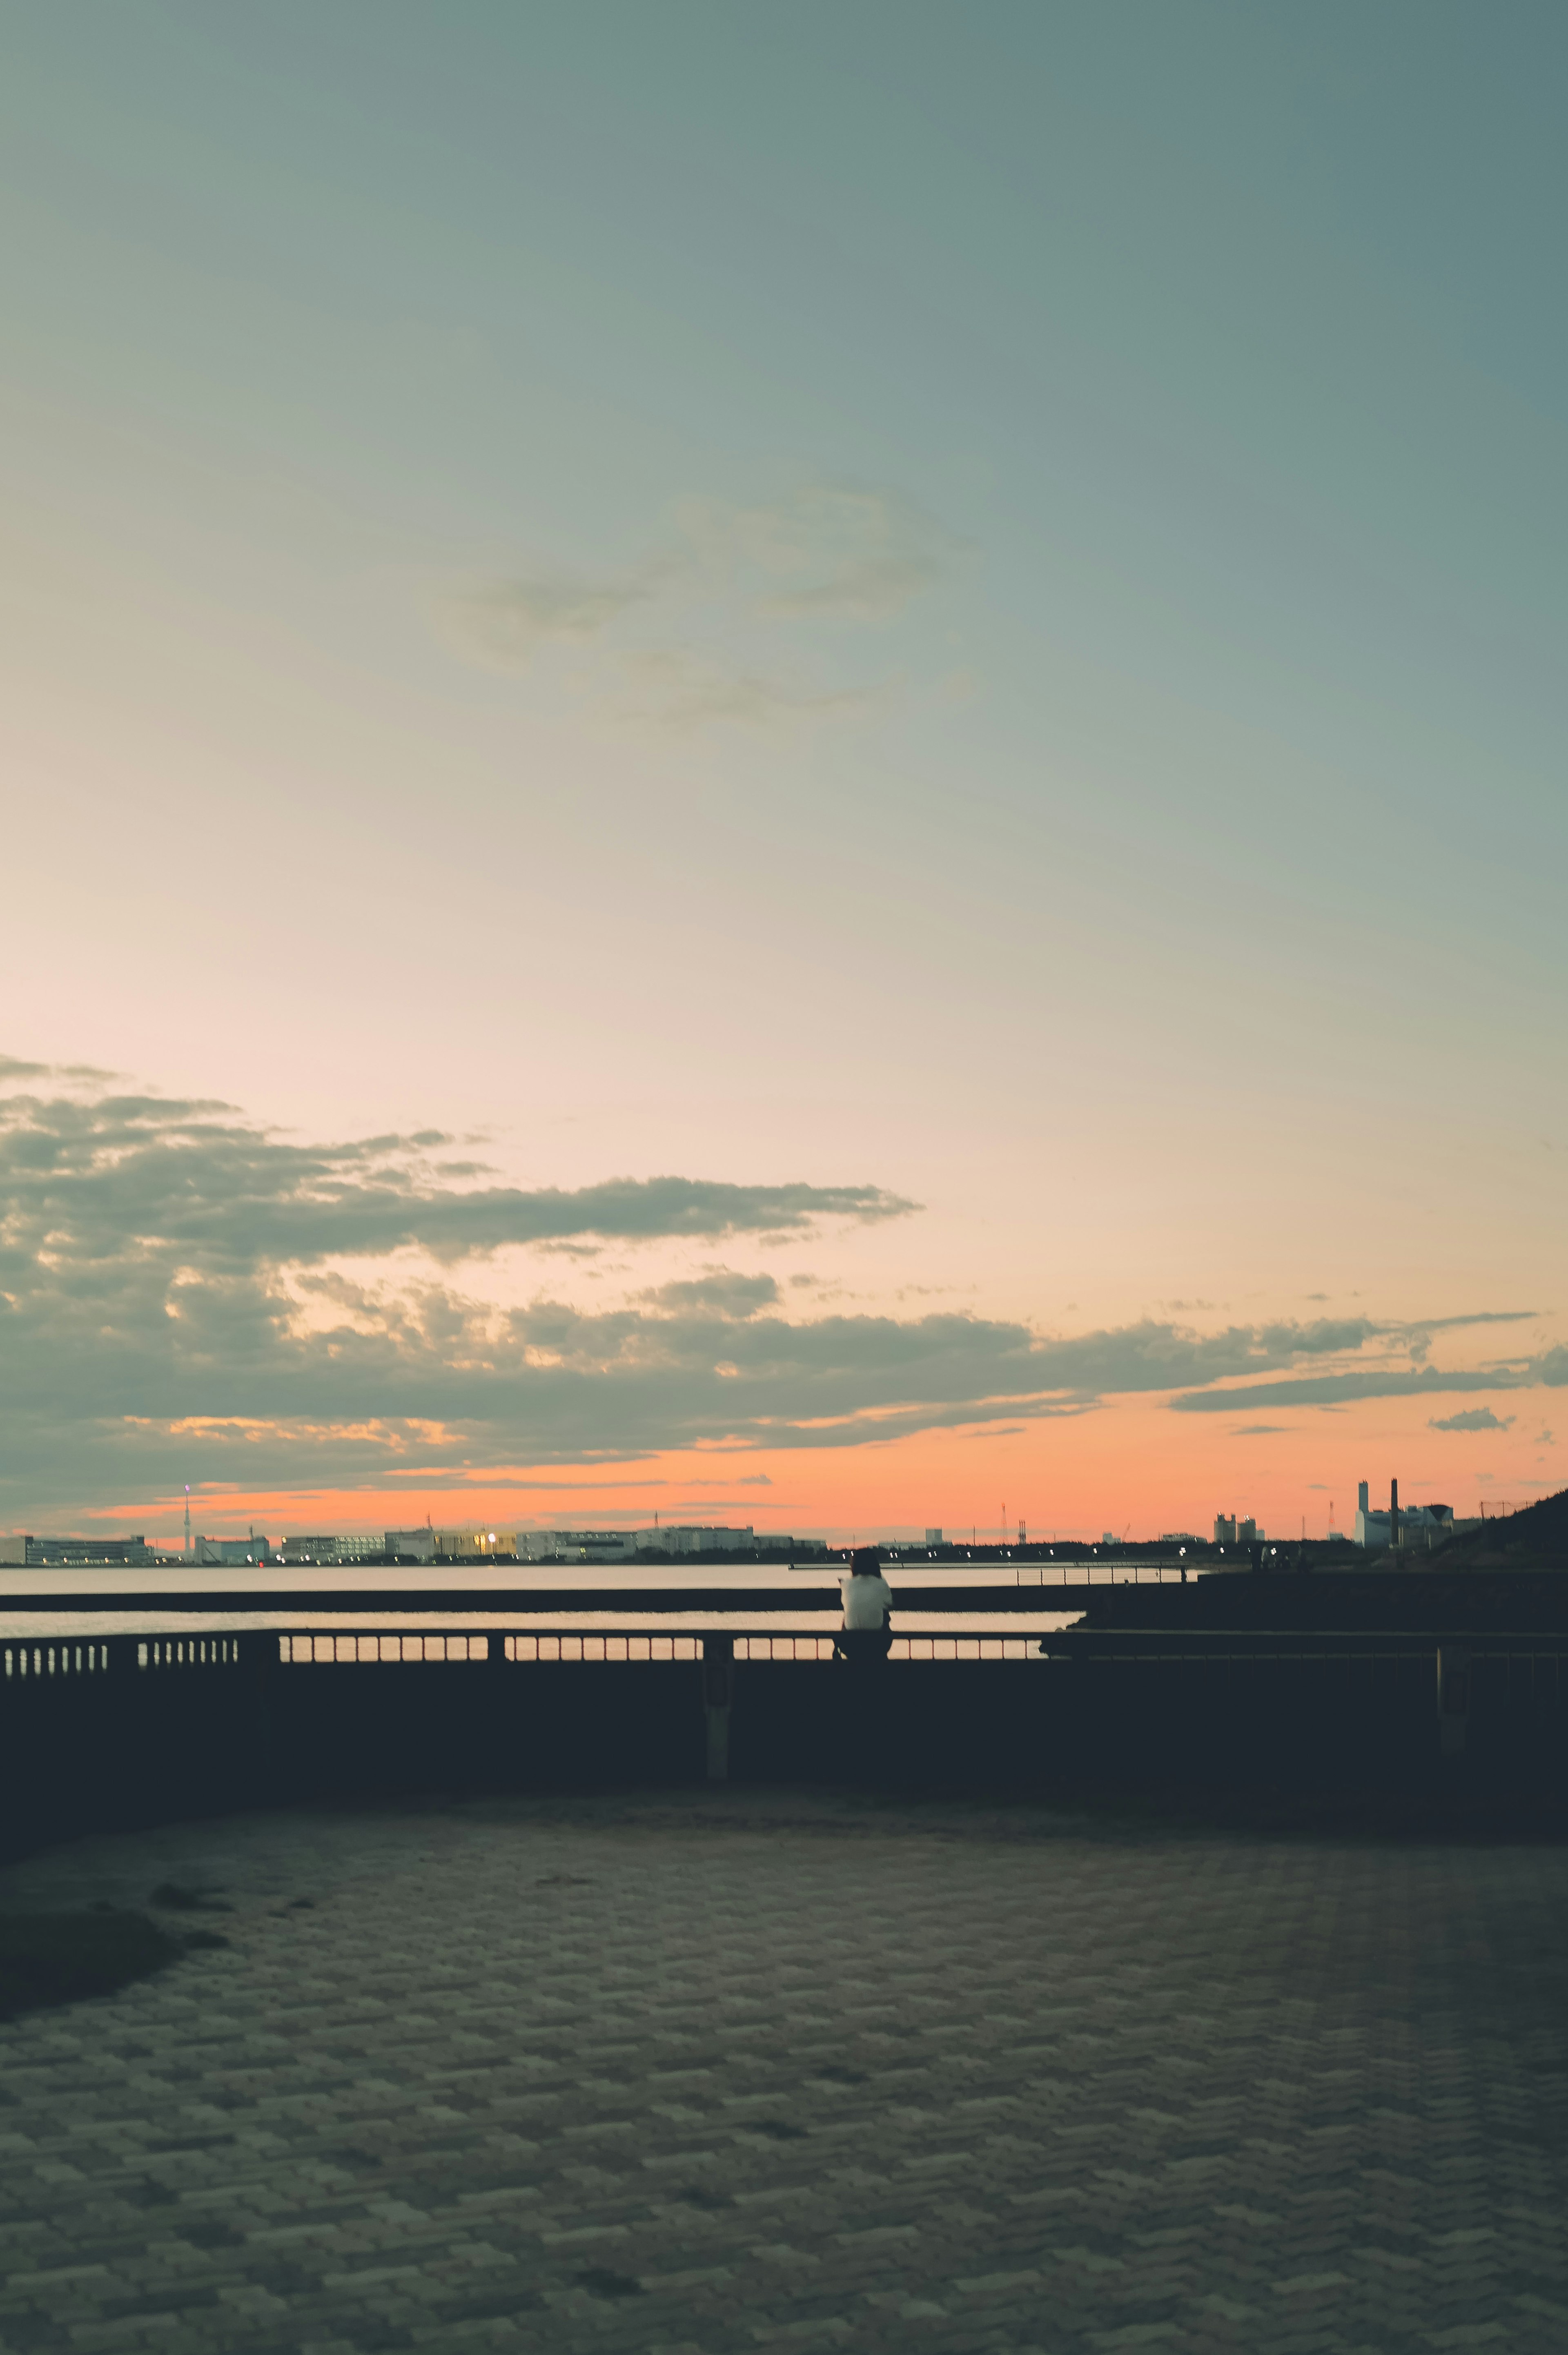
1105,1573
588,1650
55,1659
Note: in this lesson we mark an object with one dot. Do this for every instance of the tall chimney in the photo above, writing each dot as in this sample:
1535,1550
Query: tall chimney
1393,1536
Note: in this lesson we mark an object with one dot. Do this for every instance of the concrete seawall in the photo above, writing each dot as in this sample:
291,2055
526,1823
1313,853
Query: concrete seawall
97,1736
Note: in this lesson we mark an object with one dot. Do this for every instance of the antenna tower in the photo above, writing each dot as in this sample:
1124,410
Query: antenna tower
187,1516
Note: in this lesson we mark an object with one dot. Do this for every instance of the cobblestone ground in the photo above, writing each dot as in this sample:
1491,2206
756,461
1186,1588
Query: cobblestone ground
701,2074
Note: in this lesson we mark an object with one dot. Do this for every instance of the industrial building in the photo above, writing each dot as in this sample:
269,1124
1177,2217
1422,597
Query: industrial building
691,1539
1422,1525
624,1545
1229,1530
229,1551
577,1545
327,1548
475,1545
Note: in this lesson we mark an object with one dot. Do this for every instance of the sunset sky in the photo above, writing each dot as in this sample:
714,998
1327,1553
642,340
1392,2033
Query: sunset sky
797,764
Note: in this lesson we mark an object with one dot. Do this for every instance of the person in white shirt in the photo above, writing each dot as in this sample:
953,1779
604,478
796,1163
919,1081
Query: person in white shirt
866,1633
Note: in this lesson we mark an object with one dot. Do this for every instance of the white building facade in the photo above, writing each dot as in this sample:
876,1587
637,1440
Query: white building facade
1417,1526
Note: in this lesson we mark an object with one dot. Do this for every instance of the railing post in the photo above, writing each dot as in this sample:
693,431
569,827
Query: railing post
717,1694
1453,1696
260,1652
493,1729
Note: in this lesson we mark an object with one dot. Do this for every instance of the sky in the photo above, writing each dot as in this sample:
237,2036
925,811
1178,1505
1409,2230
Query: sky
792,766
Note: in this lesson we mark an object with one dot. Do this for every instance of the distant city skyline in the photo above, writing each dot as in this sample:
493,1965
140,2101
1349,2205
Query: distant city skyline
797,766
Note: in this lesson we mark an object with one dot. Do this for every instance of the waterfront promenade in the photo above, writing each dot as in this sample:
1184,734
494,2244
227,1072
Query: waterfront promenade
723,2070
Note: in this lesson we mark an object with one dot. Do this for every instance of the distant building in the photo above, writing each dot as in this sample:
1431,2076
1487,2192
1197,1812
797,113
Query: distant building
327,1548
623,1545
933,1536
577,1545
24,1551
411,1545
695,1538
1225,1529
1178,1537
475,1545
1422,1525
232,1550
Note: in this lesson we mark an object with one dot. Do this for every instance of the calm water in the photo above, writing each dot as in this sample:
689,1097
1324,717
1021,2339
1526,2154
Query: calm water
604,1598
40,1623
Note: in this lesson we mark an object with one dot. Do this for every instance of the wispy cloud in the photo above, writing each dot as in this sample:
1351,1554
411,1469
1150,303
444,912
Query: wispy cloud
1550,1368
684,691
824,552
1471,1418
13,1071
504,623
735,618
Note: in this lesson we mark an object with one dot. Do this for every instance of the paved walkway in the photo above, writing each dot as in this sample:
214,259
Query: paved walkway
781,2071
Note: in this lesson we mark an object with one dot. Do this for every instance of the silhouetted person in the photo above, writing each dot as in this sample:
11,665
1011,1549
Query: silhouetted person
866,1637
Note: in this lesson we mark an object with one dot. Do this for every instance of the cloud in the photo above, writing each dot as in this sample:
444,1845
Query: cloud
1418,1335
1470,1418
504,623
184,1295
721,1291
1480,1316
1388,1382
730,621
188,1188
12,1071
1259,1430
167,1267
826,551
684,691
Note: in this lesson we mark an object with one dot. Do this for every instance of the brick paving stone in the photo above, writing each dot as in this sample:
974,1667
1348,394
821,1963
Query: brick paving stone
705,2072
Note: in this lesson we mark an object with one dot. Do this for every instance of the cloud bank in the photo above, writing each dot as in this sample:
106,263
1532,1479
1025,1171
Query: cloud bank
184,1296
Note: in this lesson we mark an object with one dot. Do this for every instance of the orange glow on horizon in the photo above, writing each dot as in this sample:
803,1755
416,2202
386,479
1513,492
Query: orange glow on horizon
1135,1468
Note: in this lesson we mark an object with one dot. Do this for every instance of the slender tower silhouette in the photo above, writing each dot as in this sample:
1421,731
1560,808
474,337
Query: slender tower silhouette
187,1516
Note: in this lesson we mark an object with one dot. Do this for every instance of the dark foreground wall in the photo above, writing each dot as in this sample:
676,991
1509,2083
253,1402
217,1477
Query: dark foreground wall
119,1734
